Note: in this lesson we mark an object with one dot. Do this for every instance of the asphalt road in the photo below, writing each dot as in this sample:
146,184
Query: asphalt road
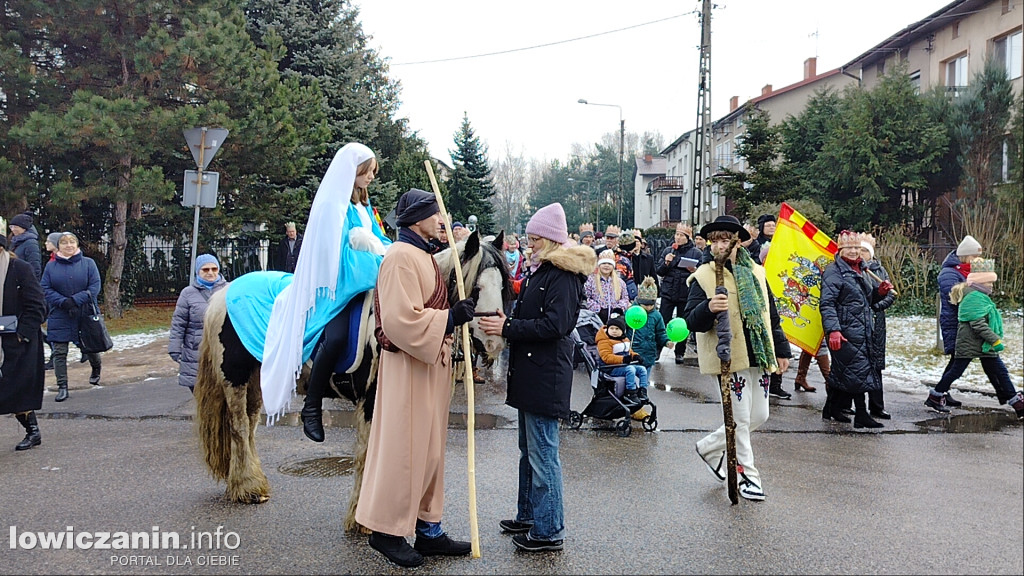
927,494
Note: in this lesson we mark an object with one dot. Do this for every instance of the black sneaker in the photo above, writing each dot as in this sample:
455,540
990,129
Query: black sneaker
630,397
937,403
441,546
1017,403
527,544
778,392
952,402
515,527
641,393
396,549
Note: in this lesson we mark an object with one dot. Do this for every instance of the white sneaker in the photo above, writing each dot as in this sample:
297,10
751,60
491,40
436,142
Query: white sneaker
718,469
750,490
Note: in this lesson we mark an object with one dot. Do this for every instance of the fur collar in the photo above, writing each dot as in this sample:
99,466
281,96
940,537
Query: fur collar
577,259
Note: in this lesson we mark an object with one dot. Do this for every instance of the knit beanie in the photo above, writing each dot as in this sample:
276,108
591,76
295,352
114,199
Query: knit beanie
983,270
24,220
203,259
549,223
647,292
618,320
54,237
414,206
968,247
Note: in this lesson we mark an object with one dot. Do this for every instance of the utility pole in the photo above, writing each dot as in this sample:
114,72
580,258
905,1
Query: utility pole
622,140
701,190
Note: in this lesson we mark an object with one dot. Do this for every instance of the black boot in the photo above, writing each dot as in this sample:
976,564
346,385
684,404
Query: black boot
832,410
94,378
312,409
32,436
862,419
396,549
62,393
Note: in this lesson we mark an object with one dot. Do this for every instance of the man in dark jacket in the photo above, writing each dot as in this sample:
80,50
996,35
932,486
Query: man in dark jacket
25,242
673,279
955,269
765,233
643,261
288,249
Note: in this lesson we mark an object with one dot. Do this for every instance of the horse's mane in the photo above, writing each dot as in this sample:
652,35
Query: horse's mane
481,256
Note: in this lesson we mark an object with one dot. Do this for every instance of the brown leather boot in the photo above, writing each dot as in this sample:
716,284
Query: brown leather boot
824,364
800,383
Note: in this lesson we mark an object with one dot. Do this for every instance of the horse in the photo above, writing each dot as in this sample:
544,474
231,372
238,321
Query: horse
229,396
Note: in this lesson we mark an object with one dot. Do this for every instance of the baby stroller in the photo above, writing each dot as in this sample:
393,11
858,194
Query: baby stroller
608,402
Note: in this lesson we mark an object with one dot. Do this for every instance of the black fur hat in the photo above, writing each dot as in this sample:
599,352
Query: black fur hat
617,319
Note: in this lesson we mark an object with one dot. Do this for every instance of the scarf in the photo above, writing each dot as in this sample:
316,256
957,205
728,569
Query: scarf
5,261
316,274
976,305
409,237
752,305
512,260
964,268
204,285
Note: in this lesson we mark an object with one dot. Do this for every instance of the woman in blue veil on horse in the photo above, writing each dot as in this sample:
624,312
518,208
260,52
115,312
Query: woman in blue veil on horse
280,317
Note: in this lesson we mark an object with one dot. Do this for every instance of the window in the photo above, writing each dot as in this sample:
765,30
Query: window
1007,6
956,74
915,81
880,68
1007,51
956,29
723,155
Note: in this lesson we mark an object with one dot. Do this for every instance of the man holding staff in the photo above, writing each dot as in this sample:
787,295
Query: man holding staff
758,346
403,485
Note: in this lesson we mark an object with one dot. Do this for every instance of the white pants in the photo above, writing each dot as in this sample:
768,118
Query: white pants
749,410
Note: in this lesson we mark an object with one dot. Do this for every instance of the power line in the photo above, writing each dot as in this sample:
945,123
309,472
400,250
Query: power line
547,44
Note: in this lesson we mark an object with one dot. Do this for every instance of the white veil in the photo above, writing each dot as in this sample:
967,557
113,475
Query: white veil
316,273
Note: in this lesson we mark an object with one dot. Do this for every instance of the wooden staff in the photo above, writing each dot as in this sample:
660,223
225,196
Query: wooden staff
879,280
725,355
474,529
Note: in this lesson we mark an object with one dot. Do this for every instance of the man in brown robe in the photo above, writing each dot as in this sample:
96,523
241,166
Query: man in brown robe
403,483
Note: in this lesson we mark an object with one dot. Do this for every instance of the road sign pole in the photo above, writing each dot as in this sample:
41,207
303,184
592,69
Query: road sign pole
195,220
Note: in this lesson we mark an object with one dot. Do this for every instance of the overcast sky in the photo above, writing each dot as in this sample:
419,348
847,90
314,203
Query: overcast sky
528,98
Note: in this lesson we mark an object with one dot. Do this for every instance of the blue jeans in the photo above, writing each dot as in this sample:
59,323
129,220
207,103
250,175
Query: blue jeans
634,373
994,369
540,477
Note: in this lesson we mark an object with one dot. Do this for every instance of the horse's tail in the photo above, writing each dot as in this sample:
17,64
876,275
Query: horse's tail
363,420
212,421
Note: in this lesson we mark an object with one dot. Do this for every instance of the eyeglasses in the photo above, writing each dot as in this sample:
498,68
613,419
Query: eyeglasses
209,269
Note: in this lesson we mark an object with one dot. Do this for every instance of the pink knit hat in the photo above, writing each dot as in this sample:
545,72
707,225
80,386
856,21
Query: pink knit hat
549,222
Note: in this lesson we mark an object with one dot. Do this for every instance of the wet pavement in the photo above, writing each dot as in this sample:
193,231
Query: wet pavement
926,494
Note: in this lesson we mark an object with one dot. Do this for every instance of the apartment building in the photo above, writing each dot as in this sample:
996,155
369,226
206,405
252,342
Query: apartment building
944,49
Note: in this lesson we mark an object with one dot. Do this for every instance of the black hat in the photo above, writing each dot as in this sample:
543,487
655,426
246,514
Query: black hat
762,219
415,205
728,224
23,220
617,319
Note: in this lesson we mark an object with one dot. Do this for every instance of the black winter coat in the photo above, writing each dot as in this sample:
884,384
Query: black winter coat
541,347
878,342
287,259
846,303
21,381
26,247
673,278
949,276
644,266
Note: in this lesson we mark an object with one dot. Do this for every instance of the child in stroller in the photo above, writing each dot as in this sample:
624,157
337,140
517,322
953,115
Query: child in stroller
611,400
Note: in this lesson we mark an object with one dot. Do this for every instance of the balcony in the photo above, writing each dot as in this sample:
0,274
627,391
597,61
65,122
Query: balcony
955,91
667,184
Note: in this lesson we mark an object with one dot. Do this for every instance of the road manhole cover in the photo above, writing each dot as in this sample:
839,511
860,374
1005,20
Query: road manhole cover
323,467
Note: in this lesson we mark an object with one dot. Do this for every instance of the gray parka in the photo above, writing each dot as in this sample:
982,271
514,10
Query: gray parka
187,329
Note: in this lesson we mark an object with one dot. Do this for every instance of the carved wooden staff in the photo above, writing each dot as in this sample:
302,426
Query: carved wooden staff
879,280
474,529
725,355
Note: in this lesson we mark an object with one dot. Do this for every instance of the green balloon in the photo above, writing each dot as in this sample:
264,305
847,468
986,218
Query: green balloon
677,330
636,317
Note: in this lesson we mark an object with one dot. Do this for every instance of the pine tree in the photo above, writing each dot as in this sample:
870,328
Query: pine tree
765,181
470,188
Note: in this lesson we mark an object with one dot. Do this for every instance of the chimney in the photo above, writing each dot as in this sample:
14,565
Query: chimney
734,103
766,90
810,67
648,159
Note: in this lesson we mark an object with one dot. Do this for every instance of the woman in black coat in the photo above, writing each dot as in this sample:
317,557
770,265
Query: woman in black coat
540,372
848,318
21,353
673,289
70,282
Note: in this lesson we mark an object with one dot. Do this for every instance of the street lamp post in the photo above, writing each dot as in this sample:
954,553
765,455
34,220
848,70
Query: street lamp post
622,140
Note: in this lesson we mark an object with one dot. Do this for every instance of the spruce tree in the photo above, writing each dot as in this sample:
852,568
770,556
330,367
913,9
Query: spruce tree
470,188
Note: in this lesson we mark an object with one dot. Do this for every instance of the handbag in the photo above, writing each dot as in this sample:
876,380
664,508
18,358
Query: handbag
92,330
8,324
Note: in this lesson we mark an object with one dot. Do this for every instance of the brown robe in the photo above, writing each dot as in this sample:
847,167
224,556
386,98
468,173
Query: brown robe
404,475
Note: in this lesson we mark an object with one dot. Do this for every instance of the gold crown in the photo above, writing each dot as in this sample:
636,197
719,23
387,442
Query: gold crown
849,239
983,265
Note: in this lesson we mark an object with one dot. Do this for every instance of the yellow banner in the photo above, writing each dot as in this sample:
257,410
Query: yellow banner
798,253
